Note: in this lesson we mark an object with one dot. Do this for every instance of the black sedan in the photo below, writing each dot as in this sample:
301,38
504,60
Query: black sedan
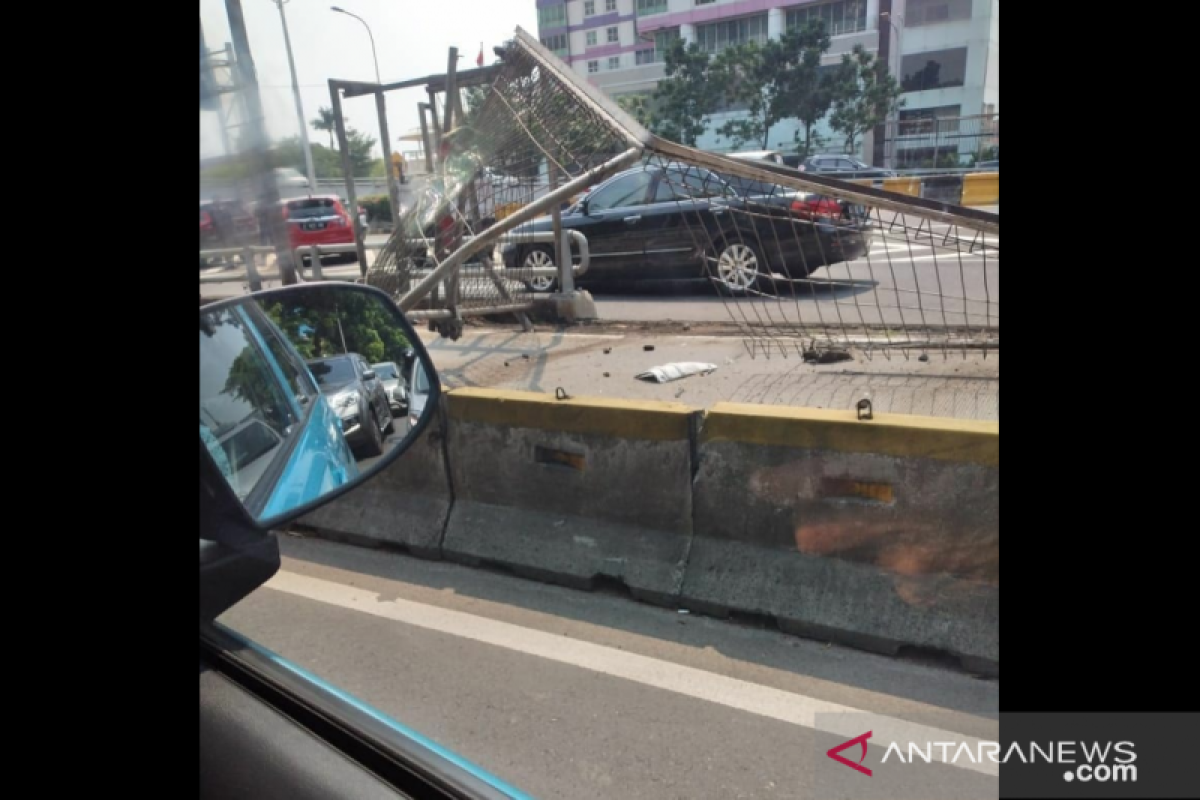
681,222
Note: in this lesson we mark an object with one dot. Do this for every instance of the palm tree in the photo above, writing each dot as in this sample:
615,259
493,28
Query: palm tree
325,121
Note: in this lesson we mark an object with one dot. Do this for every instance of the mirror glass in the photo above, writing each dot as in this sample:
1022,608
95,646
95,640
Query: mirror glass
308,390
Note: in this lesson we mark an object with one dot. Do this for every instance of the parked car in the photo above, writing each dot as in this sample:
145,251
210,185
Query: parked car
357,396
841,166
394,384
641,226
318,219
774,156
225,223
418,394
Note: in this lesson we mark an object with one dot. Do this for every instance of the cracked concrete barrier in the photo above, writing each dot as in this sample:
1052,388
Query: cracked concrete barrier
406,505
580,492
882,534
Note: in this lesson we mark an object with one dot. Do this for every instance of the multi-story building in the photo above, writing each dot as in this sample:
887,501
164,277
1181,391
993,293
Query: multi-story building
945,53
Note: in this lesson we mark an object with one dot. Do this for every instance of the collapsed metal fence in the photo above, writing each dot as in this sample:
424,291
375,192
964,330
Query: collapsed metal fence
802,262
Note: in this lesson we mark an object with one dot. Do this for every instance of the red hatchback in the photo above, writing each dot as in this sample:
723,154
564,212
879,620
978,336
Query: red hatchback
321,219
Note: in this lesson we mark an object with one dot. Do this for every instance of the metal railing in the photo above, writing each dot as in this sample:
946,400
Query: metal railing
573,243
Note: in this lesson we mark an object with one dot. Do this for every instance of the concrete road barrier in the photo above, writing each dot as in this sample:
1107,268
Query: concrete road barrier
577,491
981,189
908,186
880,534
405,505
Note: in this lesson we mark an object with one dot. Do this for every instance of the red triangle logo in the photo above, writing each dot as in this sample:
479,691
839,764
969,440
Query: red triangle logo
833,752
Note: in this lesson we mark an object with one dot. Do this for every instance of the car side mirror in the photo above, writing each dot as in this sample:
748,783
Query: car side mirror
369,375
281,417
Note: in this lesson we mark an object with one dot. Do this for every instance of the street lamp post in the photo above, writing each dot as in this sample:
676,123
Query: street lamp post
374,55
304,145
898,58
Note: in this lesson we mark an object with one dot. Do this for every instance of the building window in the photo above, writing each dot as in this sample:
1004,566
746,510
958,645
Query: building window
931,12
552,16
614,62
556,43
614,36
840,18
717,36
610,5
591,39
704,2
648,56
647,7
589,8
942,119
593,66
936,69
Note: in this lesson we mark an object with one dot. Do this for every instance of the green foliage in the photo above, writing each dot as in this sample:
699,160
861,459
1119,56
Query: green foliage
687,96
640,106
377,206
317,323
778,80
325,121
865,95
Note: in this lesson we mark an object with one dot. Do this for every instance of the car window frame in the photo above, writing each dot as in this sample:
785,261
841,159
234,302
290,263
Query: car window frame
640,175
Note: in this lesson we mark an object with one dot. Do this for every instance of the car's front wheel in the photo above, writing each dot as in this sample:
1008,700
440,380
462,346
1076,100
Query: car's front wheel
737,267
539,257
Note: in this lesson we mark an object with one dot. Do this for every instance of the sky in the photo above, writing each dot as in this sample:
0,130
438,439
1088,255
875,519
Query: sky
411,36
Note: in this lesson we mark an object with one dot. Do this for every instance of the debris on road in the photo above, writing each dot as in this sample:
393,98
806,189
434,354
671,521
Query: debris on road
676,371
647,347
607,350
831,355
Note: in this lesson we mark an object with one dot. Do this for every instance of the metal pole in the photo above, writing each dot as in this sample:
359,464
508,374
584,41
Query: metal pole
268,191
534,209
335,97
450,119
393,185
433,116
562,255
304,144
426,142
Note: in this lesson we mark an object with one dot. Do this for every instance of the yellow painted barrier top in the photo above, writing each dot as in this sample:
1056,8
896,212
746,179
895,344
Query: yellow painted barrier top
900,435
622,419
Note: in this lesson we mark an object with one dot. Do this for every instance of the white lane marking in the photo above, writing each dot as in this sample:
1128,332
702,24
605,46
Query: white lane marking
765,701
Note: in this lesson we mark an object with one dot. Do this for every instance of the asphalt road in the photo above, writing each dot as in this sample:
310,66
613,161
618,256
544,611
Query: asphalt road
905,281
569,694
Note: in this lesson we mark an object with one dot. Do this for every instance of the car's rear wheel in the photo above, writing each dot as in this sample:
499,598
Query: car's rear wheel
737,267
539,257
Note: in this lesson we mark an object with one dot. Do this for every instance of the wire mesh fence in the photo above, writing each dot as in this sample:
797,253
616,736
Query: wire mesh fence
803,263
515,142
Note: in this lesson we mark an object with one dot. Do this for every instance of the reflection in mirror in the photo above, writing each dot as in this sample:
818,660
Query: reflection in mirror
307,390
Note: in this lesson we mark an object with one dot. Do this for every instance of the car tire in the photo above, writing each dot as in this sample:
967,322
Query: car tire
390,428
539,256
736,267
374,445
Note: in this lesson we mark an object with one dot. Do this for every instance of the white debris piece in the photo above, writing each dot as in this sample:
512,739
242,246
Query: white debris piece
673,372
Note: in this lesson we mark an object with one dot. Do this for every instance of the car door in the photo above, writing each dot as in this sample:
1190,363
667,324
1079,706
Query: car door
372,386
676,221
612,219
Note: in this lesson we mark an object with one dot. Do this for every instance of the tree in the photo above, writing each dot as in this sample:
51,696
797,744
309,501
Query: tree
807,89
325,121
319,321
640,107
687,96
360,144
865,95
774,81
